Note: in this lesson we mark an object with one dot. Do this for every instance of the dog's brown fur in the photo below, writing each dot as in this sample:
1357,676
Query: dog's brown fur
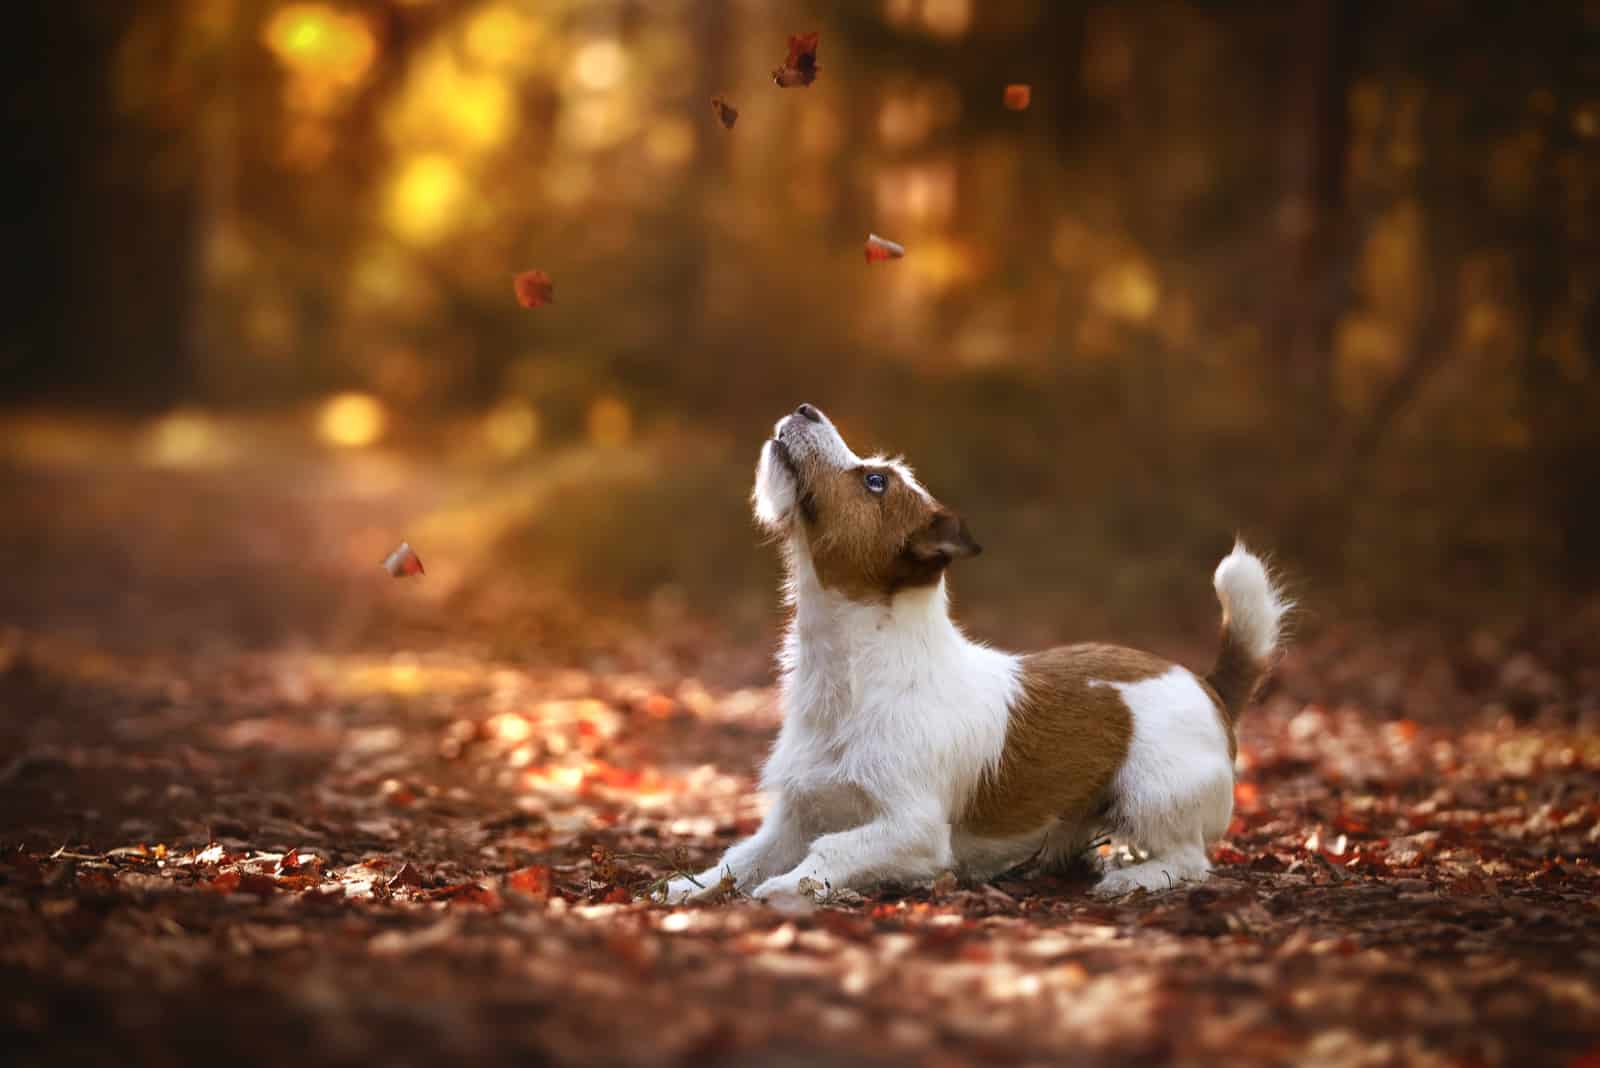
868,546
1065,740
1067,736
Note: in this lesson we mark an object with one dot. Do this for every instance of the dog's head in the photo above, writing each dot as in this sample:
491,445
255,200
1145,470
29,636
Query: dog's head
868,527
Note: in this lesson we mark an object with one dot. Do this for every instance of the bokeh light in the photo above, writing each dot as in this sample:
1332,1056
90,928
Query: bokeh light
426,198
351,420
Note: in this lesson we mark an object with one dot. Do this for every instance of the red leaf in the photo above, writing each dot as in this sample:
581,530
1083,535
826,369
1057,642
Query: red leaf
1230,855
406,876
534,880
534,289
403,561
726,113
295,862
880,249
618,896
801,66
1018,97
472,894
243,882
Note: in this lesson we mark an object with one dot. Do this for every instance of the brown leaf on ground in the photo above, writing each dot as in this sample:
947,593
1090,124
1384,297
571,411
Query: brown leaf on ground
726,113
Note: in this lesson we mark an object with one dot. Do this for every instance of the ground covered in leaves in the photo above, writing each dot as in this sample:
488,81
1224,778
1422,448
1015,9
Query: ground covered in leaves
261,804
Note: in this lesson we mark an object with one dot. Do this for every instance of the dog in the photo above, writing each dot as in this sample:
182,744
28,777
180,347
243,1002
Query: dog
908,750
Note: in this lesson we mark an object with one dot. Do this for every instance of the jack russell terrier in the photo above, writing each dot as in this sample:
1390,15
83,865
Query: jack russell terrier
908,750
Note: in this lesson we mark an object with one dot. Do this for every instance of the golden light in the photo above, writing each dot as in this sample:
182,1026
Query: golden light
921,192
501,36
319,40
610,423
184,439
899,12
947,18
509,727
598,122
599,65
1128,291
426,198
447,102
670,142
511,427
351,420
904,119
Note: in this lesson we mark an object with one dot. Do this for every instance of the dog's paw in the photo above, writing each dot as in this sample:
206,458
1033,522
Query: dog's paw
1152,876
701,890
681,891
790,893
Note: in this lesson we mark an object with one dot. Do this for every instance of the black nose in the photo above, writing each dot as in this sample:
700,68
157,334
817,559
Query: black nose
805,411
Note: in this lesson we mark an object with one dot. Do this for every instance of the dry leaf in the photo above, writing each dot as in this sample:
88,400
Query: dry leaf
534,289
726,113
880,249
801,66
1018,97
403,561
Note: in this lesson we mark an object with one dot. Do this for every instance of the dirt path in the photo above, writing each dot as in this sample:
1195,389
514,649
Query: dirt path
258,806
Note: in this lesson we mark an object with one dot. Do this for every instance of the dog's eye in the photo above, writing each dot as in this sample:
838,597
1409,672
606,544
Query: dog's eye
876,482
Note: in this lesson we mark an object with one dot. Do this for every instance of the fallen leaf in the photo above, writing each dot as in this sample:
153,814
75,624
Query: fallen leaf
801,66
406,876
1018,97
243,882
534,289
879,249
534,880
726,113
403,561
399,943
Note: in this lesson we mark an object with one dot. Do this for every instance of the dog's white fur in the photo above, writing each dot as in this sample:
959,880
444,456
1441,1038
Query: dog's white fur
891,716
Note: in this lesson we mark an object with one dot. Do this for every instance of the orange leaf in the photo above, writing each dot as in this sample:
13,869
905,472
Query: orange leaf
534,289
403,561
534,880
880,249
1018,97
801,66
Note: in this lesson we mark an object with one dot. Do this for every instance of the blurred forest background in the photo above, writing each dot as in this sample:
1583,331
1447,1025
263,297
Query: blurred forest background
1321,272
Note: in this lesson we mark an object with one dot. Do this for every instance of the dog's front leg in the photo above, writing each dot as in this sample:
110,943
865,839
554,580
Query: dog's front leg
909,844
775,847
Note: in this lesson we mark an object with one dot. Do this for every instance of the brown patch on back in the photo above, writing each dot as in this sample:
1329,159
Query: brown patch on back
869,546
1064,742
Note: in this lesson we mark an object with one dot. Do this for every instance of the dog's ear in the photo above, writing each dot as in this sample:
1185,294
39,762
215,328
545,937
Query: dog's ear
943,539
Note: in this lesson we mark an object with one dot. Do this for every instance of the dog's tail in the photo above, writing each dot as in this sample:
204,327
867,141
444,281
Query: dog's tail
1253,608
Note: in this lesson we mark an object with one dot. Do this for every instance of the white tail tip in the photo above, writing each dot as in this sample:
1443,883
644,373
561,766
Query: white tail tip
1252,605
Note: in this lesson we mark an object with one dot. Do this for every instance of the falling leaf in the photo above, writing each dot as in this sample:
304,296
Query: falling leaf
801,66
1018,97
726,113
403,561
880,249
534,288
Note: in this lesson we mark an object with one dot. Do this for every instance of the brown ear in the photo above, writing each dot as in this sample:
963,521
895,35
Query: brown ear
944,539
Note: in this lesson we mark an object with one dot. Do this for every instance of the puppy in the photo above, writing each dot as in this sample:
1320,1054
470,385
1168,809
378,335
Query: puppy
907,750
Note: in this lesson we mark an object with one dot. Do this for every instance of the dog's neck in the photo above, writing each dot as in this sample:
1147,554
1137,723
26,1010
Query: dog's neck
839,652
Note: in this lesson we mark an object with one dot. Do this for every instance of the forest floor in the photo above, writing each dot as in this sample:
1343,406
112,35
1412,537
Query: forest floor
259,805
